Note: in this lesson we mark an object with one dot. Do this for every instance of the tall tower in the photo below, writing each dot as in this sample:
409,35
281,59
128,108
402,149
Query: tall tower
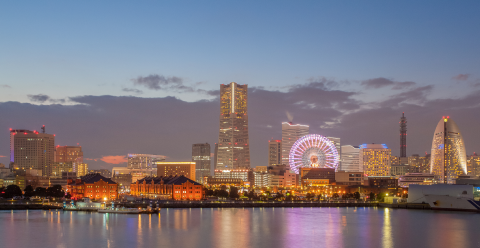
201,157
233,143
403,136
291,133
449,158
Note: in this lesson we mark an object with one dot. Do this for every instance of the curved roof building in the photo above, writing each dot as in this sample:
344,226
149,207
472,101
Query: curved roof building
448,159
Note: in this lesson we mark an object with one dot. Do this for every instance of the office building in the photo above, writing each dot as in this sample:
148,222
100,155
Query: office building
238,174
82,169
351,159
274,152
233,142
135,174
336,142
31,149
349,178
448,159
166,169
473,165
59,167
290,134
64,154
383,182
375,159
201,157
143,161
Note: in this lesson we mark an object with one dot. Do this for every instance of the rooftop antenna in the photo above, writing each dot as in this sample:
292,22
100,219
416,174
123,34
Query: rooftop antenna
43,129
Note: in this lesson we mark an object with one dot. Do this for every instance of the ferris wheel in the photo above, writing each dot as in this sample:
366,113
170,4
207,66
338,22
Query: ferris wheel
313,151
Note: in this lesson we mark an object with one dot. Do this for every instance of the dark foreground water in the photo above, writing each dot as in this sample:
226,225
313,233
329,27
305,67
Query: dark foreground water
259,227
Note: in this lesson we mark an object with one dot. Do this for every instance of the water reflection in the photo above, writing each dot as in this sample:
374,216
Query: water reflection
259,227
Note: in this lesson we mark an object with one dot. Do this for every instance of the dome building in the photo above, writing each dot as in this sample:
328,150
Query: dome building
448,159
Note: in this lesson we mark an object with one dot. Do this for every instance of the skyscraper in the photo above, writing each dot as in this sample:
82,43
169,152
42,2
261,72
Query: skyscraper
32,150
274,152
403,136
233,142
290,134
201,157
448,159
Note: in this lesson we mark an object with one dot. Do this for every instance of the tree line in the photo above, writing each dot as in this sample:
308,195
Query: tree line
13,190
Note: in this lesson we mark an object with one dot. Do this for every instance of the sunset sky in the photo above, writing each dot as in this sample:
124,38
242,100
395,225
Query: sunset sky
143,77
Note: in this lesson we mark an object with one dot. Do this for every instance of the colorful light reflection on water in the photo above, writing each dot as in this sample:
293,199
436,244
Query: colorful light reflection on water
252,227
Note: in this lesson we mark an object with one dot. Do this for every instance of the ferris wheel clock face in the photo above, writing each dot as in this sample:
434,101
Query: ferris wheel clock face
313,151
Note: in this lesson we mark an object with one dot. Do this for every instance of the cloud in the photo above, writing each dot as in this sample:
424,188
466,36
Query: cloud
38,98
99,123
461,77
377,83
159,82
1,156
114,159
136,91
169,84
5,86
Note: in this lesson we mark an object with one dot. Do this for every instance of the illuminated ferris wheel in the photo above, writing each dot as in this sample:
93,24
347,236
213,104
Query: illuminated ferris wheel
313,151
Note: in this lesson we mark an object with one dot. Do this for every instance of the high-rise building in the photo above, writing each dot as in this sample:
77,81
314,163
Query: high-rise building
336,142
351,159
375,159
403,136
473,165
233,142
201,157
33,150
143,161
215,157
449,159
165,169
290,134
65,154
274,152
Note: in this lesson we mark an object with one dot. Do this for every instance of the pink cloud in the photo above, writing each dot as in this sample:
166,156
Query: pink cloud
1,156
114,159
461,77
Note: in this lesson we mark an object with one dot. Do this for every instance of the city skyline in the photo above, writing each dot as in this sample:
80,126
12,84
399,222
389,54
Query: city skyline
114,93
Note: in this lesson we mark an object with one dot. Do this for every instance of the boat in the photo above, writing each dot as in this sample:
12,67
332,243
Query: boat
444,197
120,210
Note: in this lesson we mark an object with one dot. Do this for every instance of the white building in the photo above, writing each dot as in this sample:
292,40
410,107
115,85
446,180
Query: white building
290,134
351,159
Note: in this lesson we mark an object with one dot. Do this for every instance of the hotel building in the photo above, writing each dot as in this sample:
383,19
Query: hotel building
449,159
32,150
375,159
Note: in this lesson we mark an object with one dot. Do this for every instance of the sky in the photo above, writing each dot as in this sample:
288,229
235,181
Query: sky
143,77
